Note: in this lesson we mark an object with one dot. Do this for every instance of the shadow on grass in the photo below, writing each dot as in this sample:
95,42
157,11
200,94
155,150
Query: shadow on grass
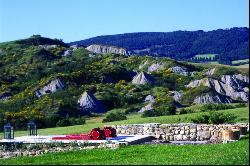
245,137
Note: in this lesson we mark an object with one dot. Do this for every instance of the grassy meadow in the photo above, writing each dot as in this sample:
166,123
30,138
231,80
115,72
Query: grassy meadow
240,61
236,153
241,113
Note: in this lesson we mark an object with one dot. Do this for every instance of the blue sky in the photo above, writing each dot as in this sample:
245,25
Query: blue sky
73,20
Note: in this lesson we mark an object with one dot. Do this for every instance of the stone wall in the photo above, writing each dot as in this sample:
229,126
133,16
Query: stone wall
180,132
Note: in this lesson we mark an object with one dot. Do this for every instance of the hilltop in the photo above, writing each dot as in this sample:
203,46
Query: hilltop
43,79
223,45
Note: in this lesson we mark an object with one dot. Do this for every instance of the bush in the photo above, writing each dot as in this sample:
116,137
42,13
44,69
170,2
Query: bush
215,107
132,109
224,71
63,122
214,118
160,111
114,117
77,121
240,105
186,111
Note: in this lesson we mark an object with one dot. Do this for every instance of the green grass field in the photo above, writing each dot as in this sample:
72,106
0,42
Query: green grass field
241,113
236,153
240,61
243,66
212,154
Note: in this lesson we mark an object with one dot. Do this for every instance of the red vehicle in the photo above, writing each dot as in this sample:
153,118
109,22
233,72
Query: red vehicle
109,132
94,134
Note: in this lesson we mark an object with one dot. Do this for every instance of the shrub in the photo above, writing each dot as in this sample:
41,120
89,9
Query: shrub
77,121
240,105
186,111
160,111
215,106
63,122
117,116
132,109
70,121
214,118
218,118
224,71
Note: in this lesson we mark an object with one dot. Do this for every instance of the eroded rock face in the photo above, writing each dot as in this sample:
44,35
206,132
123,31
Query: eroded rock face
5,96
179,70
149,106
234,86
89,103
101,49
144,64
52,87
210,72
237,80
74,47
142,78
149,98
209,98
176,95
67,53
155,67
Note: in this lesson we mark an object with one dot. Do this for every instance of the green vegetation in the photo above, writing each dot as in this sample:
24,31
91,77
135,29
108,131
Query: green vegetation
242,115
224,70
189,96
214,118
240,61
30,64
236,153
243,66
117,116
229,44
160,111
217,106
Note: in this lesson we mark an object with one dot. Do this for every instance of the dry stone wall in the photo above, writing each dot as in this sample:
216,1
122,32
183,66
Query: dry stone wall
181,132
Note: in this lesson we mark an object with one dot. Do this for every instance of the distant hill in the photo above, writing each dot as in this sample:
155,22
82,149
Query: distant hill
226,44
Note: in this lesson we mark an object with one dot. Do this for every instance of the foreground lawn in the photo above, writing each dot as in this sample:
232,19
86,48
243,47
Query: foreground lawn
241,113
236,153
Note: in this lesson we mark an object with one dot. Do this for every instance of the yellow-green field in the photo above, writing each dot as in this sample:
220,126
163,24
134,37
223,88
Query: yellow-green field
205,56
240,61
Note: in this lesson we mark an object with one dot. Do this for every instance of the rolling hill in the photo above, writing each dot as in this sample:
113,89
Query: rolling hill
43,79
227,44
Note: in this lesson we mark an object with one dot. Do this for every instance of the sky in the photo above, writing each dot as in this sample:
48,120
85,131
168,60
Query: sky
73,20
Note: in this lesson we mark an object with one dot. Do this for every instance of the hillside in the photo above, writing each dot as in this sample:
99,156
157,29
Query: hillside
46,80
227,45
